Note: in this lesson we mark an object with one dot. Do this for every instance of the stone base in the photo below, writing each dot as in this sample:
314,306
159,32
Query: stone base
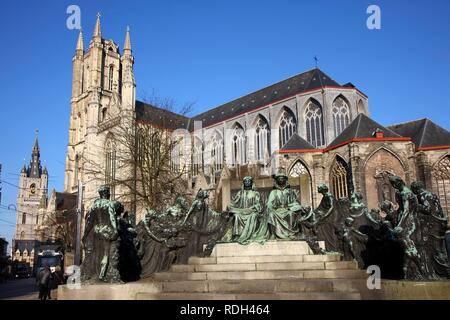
284,270
413,290
314,289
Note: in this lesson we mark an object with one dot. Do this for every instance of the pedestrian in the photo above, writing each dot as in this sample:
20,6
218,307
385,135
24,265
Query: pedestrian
43,281
55,279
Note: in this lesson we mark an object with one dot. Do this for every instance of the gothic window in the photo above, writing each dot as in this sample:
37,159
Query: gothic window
103,113
110,166
110,77
82,80
287,127
24,218
341,115
177,155
78,128
87,78
140,146
360,107
441,182
301,173
314,124
238,145
75,176
217,152
339,179
197,157
262,139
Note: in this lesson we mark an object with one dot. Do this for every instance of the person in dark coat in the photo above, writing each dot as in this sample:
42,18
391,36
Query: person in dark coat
43,281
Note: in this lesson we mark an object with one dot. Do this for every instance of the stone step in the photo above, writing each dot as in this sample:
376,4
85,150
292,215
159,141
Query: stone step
270,248
268,274
333,265
261,286
265,258
250,296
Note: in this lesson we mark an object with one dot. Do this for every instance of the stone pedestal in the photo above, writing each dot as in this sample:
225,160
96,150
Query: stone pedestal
275,270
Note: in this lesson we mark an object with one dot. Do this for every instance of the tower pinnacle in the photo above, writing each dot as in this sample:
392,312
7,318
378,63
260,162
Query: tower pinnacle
97,29
127,45
80,44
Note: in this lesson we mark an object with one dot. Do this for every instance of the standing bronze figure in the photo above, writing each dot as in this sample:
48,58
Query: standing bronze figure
101,241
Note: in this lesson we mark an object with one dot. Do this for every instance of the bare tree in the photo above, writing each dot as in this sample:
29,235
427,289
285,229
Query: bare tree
59,226
145,164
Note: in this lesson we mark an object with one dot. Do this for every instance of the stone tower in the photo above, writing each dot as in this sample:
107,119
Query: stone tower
103,94
33,186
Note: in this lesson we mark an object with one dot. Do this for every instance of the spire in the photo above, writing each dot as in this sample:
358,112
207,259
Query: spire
97,30
35,168
80,45
127,45
36,144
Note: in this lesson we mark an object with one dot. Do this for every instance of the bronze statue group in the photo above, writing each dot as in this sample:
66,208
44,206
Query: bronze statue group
406,239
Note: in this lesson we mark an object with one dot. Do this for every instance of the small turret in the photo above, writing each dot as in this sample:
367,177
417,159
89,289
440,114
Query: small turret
97,36
80,44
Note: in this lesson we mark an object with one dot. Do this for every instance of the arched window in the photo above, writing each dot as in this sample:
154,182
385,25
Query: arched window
22,235
78,128
360,107
262,139
110,166
314,124
238,153
82,81
217,152
111,77
75,175
24,218
103,113
341,115
441,182
197,157
300,172
177,155
339,178
288,127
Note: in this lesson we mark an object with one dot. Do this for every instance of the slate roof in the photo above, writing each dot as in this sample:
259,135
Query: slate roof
160,117
423,132
362,127
306,81
296,143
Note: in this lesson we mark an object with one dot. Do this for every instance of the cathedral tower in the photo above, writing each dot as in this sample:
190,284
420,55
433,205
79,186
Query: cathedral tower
103,93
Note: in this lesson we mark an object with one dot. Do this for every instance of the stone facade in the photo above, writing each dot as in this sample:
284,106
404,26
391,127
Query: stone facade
337,143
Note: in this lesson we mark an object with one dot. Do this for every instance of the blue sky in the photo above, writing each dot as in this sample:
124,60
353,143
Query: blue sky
213,51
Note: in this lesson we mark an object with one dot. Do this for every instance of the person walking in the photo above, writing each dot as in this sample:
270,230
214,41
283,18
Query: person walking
43,281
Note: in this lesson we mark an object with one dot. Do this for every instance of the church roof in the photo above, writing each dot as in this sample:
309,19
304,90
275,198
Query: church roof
296,143
362,127
423,132
306,81
160,117
303,82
